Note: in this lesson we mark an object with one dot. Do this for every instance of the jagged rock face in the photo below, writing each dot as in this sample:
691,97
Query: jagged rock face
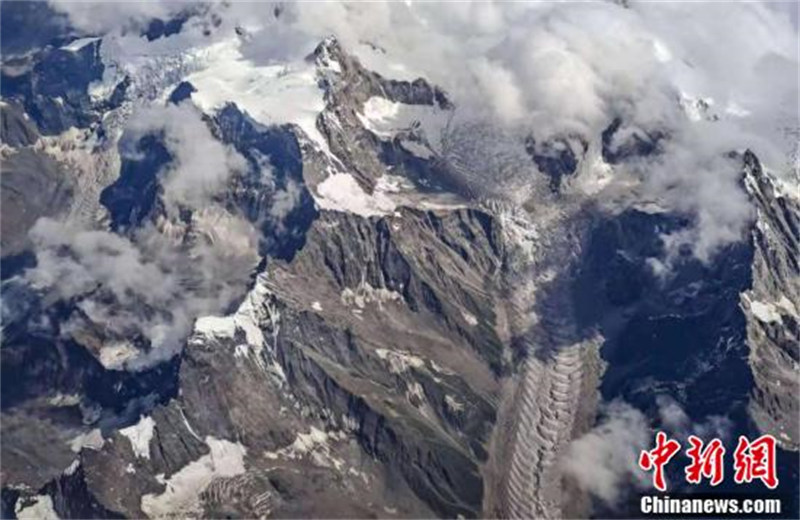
419,354
376,362
17,130
262,201
690,315
348,306
34,185
53,86
54,392
557,158
131,198
771,306
362,332
348,86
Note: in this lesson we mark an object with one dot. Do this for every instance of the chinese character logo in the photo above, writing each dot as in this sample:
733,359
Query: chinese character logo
658,457
705,462
751,461
756,460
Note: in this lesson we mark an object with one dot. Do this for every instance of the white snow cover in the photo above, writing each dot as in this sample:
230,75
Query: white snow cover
216,326
245,319
771,312
270,94
79,44
140,435
470,318
254,311
341,192
453,404
181,497
64,399
73,467
92,439
364,294
765,312
544,66
386,118
41,509
399,361
315,444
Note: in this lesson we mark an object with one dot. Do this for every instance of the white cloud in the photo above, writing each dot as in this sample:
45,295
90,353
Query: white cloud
100,17
555,69
200,164
603,462
154,284
512,69
677,422
694,176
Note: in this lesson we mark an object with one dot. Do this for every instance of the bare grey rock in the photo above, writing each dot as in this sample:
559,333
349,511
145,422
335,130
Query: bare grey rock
771,306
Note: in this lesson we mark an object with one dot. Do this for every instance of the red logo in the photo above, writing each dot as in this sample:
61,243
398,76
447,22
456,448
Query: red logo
754,460
705,462
658,457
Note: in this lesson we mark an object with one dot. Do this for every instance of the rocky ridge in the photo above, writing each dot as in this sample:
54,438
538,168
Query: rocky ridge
405,351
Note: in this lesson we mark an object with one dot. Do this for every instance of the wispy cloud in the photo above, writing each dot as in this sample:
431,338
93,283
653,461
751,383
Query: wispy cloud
603,462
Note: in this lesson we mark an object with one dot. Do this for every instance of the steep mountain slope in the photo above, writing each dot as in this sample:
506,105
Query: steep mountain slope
771,305
368,307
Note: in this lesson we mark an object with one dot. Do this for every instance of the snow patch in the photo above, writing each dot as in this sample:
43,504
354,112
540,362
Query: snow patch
386,118
399,361
415,392
440,369
416,148
341,192
469,318
787,305
519,230
245,319
765,312
315,444
80,43
256,311
365,294
220,327
771,312
453,404
140,435
41,509
92,439
181,497
270,94
73,467
60,400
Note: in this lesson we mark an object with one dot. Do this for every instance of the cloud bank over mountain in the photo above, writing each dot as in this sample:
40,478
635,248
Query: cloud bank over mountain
551,69
698,80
